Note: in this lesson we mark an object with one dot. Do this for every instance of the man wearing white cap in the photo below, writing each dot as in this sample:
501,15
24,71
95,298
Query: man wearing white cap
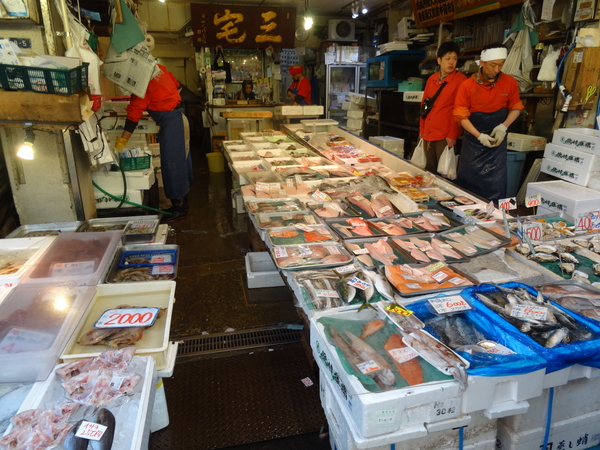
486,105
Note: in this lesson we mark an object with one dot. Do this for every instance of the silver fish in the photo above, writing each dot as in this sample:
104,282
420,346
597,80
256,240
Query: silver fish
556,337
381,284
384,376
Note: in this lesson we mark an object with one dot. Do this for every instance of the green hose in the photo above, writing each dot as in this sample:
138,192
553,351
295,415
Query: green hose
121,199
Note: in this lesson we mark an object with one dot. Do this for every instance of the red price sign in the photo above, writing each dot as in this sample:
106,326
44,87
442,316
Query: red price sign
127,317
533,200
507,203
588,221
534,231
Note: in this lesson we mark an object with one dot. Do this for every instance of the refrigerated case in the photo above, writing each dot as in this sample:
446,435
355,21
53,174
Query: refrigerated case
342,79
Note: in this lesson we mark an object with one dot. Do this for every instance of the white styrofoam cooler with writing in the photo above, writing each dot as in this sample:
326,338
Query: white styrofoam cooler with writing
571,157
104,201
577,175
136,179
313,110
565,197
288,110
525,143
584,139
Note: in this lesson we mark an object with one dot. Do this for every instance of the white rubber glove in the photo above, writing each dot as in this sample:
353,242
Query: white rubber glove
499,133
487,140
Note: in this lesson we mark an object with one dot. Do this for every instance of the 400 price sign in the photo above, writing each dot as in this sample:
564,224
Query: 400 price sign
127,317
588,221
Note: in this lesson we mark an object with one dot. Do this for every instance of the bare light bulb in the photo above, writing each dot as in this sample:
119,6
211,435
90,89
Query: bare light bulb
26,150
308,23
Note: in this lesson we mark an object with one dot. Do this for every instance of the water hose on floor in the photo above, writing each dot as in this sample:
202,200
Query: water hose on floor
122,199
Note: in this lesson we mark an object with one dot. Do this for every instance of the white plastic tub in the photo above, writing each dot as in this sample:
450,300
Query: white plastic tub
565,197
261,271
12,247
136,179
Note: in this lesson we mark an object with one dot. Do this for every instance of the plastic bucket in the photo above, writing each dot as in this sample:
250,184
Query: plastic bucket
216,163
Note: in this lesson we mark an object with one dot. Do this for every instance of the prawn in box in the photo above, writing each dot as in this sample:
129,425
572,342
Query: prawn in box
136,263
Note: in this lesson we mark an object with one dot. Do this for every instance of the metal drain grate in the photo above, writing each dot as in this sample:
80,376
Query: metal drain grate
239,340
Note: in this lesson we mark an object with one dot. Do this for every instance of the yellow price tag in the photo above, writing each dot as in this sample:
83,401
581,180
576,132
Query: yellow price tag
399,310
435,267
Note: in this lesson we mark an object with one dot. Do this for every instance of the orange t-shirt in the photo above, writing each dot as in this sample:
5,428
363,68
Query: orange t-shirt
439,123
161,95
477,95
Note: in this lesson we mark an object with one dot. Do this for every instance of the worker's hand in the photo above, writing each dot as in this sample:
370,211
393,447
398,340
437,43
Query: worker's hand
450,142
120,143
499,133
487,140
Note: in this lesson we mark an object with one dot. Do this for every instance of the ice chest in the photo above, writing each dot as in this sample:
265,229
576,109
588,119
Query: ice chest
580,160
136,179
288,110
104,201
583,139
155,341
525,143
39,322
34,247
577,175
313,110
565,197
261,271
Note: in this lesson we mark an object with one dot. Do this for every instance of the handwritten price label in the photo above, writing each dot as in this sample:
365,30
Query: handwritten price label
533,200
534,231
127,317
452,303
588,221
346,269
399,310
320,196
361,251
163,269
529,312
507,204
19,341
69,269
280,252
260,186
440,276
359,284
401,355
367,367
327,293
90,430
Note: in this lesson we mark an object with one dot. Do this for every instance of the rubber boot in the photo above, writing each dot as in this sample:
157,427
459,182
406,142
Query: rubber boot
177,211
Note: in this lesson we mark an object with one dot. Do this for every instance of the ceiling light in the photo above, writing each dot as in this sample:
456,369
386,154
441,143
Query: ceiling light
308,22
364,8
162,1
26,150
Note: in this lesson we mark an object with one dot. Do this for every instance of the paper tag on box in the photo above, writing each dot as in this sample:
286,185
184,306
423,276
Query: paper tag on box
127,317
280,252
19,340
533,200
261,186
361,251
399,310
90,430
359,284
450,304
70,269
402,355
327,293
529,312
367,367
346,269
164,269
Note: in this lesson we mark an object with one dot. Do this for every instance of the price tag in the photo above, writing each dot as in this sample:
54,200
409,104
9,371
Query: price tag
454,235
260,186
494,243
140,225
127,317
359,284
307,382
265,219
361,251
70,269
452,303
289,182
385,208
320,196
299,180
274,186
490,208
163,269
90,430
367,367
435,267
384,418
327,293
280,252
469,250
409,277
304,250
20,341
426,248
401,355
457,281
399,310
507,204
440,276
533,200
588,221
303,227
252,206
529,312
534,230
310,220
346,269
447,409
498,349
282,192
333,250
357,223
287,217
161,258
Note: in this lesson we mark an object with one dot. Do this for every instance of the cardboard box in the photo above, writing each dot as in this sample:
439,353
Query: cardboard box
525,143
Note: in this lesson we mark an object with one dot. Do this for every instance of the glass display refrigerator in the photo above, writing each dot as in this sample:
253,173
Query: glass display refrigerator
341,80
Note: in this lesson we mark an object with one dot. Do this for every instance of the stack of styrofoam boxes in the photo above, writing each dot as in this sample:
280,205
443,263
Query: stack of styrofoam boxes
393,144
575,414
401,418
574,155
313,110
288,110
561,196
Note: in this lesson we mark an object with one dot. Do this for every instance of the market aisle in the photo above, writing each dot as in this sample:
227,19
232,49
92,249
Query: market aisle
243,396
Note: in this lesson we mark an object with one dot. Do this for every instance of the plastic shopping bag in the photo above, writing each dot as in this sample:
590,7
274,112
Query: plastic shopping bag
453,168
446,159
549,68
418,158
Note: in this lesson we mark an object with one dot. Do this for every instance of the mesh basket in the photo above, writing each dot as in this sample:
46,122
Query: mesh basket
38,79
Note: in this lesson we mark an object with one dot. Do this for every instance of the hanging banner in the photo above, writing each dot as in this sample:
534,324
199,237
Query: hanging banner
428,13
243,26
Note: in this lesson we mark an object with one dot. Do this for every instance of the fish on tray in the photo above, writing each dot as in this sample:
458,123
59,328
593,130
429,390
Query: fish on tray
413,249
382,252
362,203
411,280
292,256
319,282
395,227
409,369
331,209
381,205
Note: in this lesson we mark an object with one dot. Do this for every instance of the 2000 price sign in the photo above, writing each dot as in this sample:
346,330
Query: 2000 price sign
127,317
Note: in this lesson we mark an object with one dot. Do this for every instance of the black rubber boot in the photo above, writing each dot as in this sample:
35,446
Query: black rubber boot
177,210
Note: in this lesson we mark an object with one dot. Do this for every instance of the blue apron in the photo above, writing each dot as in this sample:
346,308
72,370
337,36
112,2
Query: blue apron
176,175
482,170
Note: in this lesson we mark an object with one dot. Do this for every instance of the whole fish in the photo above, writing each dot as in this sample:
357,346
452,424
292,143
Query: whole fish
365,294
381,284
372,327
73,442
385,378
347,292
106,418
437,218
410,370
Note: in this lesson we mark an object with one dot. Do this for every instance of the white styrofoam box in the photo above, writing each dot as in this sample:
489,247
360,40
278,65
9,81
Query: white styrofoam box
571,157
243,156
413,96
359,99
103,201
32,246
414,408
579,432
313,110
355,114
237,201
346,106
133,417
155,153
573,399
576,175
584,139
113,181
167,371
288,110
239,168
565,197
525,143
261,271
478,429
594,183
388,142
354,124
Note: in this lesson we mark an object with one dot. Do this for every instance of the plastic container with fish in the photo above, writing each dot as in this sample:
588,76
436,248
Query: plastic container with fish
292,257
139,231
276,205
108,224
265,176
331,209
433,220
437,193
545,227
40,322
421,279
271,153
75,259
155,339
43,229
353,227
243,156
428,248
377,252
18,256
396,225
133,418
284,219
431,402
164,261
305,235
473,240
272,163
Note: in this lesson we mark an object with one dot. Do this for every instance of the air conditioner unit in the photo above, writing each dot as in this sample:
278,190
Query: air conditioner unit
341,30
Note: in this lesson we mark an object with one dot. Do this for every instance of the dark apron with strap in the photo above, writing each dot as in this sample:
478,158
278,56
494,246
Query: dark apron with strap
173,160
482,170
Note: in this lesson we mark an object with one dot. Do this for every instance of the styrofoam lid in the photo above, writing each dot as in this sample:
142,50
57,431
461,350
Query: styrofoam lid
566,189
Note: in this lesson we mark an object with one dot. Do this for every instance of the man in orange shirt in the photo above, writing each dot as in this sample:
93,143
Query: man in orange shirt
486,105
439,129
300,89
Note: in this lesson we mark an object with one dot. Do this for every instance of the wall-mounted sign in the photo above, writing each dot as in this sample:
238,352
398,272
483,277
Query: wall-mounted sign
243,26
432,12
